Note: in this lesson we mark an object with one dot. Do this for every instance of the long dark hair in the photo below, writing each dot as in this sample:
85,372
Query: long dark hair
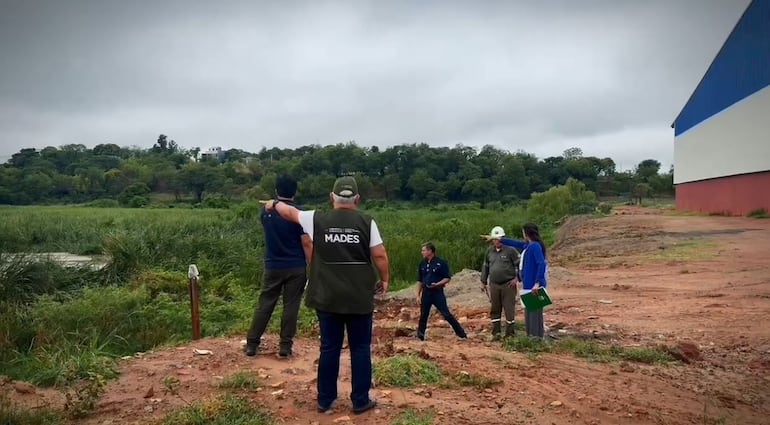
533,233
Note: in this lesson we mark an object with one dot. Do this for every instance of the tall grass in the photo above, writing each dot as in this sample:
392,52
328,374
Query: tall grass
22,278
13,414
55,319
230,242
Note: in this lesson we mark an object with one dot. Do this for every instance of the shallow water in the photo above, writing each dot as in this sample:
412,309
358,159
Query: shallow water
66,259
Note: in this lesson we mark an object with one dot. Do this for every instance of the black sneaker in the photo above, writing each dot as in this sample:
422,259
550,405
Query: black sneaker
368,406
325,410
284,352
251,349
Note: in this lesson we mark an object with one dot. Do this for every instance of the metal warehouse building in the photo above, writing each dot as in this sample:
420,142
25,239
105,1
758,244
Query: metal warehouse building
722,135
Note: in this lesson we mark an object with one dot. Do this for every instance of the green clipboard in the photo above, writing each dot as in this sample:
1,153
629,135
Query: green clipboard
535,302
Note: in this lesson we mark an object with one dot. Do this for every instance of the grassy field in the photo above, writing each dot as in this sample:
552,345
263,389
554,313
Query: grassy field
59,325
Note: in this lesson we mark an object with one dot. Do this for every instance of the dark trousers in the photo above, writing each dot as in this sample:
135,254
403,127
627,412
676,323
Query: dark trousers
503,298
436,297
359,329
534,323
289,283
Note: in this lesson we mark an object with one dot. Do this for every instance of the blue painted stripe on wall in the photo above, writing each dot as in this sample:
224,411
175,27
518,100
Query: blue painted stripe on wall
741,68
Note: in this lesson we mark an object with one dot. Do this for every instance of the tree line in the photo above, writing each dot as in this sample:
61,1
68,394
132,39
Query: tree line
407,172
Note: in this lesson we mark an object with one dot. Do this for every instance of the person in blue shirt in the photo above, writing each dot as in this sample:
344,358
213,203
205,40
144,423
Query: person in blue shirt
533,267
433,275
287,253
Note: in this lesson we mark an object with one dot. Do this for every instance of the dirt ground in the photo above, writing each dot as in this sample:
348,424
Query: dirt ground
638,277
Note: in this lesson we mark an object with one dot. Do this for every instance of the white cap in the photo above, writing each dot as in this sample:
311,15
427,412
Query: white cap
497,232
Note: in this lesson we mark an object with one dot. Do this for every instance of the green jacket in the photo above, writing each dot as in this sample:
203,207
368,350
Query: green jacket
500,266
342,277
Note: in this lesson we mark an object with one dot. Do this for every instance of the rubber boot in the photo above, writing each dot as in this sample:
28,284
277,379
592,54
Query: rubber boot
509,330
496,330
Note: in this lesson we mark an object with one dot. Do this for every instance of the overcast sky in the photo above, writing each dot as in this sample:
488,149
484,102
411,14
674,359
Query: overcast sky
608,76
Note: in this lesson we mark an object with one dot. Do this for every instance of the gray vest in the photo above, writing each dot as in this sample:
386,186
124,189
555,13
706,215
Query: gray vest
342,277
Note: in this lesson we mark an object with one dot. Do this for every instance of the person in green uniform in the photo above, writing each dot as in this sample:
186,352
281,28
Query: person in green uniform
499,279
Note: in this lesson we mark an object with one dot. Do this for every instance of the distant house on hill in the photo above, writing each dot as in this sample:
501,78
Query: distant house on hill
722,135
213,153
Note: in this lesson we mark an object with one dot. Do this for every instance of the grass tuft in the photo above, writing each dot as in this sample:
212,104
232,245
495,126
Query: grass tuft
686,251
13,414
414,417
480,382
224,410
591,350
406,371
241,381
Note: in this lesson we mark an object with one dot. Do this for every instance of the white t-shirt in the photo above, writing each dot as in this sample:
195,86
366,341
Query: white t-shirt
306,221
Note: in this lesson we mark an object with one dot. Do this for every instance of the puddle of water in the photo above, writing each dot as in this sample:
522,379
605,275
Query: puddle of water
66,259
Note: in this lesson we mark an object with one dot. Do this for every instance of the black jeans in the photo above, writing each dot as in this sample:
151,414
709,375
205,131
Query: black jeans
333,327
289,283
436,297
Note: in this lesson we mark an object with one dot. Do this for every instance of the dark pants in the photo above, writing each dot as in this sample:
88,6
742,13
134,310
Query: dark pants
503,297
359,328
436,297
533,322
287,282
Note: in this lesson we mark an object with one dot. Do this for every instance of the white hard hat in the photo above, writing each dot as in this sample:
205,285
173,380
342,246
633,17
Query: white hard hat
497,232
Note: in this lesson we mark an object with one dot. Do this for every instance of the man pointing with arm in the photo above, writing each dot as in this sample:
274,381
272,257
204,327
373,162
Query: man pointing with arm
341,287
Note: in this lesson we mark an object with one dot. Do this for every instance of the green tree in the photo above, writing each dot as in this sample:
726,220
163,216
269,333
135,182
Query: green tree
647,169
38,185
198,178
572,153
135,195
559,201
421,183
481,190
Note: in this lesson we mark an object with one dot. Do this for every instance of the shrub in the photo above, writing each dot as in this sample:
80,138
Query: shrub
104,203
138,202
759,213
559,201
134,194
604,207
216,202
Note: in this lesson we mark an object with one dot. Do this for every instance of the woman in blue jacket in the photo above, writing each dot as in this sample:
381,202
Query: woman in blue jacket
533,270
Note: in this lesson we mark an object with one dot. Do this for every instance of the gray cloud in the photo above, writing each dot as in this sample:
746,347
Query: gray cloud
607,76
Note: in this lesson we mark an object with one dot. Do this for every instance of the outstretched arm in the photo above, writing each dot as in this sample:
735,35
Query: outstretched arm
286,211
514,243
507,241
537,254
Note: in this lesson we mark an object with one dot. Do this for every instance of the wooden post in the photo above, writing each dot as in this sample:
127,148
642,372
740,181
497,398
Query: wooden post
192,274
